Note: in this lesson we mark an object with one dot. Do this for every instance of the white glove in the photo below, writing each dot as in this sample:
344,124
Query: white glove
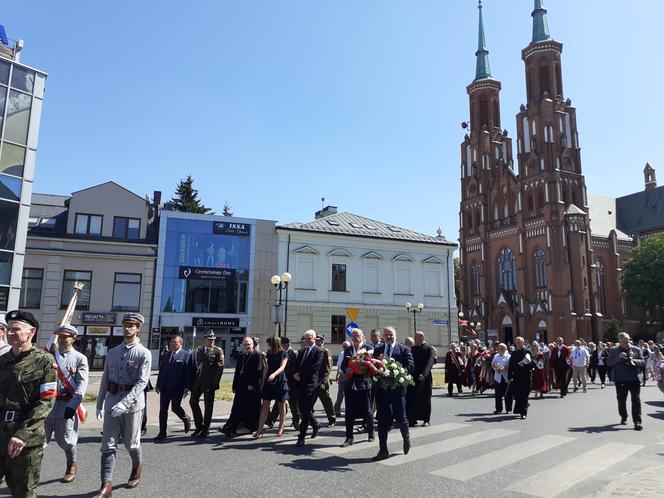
99,413
118,409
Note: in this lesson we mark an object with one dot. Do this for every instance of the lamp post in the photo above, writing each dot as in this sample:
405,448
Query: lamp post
473,327
280,283
414,310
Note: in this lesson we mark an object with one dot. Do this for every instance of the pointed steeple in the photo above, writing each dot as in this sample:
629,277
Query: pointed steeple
540,23
482,69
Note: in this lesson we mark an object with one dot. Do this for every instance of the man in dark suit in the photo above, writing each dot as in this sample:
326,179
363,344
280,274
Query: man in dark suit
308,377
391,404
561,364
173,381
357,390
207,365
418,399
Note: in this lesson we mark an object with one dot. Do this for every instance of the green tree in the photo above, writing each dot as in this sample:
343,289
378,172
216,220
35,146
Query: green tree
612,329
457,278
227,209
643,275
186,198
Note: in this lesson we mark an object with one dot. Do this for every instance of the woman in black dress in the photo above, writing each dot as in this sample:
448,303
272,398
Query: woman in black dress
275,386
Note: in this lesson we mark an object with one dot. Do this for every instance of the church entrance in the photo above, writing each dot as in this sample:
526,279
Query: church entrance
508,331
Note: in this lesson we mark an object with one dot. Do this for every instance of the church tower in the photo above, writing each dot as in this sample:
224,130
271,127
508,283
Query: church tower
524,236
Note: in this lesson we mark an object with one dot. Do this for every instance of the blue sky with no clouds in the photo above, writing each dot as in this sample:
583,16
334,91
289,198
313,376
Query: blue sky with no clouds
271,105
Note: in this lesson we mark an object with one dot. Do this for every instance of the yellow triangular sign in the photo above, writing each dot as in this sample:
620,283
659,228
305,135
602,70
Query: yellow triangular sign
352,313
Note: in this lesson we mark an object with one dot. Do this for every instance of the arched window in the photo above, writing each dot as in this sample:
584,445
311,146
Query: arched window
540,198
477,267
601,294
507,270
539,268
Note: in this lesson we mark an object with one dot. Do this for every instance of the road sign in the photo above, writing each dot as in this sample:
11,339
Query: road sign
351,326
440,322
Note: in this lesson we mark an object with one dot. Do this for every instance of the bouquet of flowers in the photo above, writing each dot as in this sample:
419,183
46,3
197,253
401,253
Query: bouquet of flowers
393,375
364,364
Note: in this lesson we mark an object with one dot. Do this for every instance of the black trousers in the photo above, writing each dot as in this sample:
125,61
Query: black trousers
391,405
563,377
519,390
500,393
307,417
634,389
592,372
200,422
450,386
358,405
601,371
175,401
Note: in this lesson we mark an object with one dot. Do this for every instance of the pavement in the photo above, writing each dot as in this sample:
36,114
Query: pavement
572,447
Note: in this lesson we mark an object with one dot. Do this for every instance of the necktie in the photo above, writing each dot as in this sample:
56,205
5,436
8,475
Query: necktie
389,351
172,357
304,356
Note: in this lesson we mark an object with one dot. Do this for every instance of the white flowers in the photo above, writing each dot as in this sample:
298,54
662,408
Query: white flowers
362,351
370,352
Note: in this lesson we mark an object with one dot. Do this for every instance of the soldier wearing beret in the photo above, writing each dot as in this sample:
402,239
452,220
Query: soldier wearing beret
27,394
208,366
72,370
323,392
120,402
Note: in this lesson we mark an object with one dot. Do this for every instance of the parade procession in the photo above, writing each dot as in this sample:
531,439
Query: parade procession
323,249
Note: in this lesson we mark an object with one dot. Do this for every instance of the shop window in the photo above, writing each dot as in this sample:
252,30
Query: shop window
23,79
6,259
88,224
12,157
338,325
338,277
8,219
126,228
10,188
70,277
127,292
31,288
18,117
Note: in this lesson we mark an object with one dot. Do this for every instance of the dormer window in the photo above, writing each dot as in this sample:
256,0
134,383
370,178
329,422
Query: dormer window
88,224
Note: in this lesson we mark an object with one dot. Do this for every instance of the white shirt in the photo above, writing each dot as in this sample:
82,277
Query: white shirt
340,359
501,361
580,356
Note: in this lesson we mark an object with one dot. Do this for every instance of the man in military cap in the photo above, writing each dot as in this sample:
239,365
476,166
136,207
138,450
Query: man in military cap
323,392
72,370
27,394
4,347
207,365
120,402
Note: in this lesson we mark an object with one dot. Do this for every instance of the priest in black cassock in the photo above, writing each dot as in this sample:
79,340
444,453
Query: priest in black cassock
520,377
246,386
418,398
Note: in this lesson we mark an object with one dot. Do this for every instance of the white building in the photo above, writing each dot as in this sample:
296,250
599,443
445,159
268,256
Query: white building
349,268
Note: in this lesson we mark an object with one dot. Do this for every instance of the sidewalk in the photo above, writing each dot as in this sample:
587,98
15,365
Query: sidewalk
645,483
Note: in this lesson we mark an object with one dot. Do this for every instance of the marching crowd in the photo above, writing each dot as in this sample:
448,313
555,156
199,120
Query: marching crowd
41,392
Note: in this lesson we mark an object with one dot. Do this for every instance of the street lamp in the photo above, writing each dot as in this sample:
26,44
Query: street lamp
472,327
280,283
414,310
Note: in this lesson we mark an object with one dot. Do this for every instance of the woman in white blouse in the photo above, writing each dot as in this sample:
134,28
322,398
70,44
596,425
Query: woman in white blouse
500,364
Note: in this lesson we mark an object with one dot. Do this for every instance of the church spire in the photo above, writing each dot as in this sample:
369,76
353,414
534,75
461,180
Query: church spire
482,69
540,23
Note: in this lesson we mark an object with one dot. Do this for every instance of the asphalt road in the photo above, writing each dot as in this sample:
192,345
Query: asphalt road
571,447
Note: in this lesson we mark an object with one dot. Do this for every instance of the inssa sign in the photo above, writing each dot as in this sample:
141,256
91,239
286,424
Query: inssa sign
3,35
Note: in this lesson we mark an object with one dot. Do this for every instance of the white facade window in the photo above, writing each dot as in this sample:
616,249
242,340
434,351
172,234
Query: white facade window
433,280
402,277
304,276
371,276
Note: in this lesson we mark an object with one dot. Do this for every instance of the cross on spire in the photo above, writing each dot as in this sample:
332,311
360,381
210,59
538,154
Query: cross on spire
482,69
540,23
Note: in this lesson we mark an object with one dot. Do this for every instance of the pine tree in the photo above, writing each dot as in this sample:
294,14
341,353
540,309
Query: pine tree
227,209
186,198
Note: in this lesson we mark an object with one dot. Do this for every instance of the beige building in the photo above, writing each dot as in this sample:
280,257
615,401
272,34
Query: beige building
103,236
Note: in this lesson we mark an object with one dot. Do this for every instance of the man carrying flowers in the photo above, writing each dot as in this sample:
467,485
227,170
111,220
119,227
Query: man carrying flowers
393,380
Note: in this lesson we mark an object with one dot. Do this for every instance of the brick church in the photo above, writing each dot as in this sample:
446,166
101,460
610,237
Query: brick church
540,257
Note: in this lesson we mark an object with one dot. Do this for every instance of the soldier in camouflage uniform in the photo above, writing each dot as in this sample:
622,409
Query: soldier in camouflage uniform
27,395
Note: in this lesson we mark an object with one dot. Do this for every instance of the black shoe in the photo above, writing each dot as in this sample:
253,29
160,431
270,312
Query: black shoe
296,425
425,424
196,432
187,425
406,446
623,421
314,432
371,438
346,443
523,417
160,437
144,431
497,412
449,395
382,455
412,424
202,434
638,426
332,422
508,411
300,442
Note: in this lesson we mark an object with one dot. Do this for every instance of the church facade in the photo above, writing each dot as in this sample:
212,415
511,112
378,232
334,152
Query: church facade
539,256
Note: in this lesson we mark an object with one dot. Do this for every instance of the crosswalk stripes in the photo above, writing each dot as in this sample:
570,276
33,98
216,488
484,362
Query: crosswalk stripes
439,447
416,433
574,470
495,460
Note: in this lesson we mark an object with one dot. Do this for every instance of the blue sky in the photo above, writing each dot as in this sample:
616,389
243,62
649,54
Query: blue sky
271,105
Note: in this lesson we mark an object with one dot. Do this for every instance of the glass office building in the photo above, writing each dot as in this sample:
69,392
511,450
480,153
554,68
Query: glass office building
21,98
210,272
